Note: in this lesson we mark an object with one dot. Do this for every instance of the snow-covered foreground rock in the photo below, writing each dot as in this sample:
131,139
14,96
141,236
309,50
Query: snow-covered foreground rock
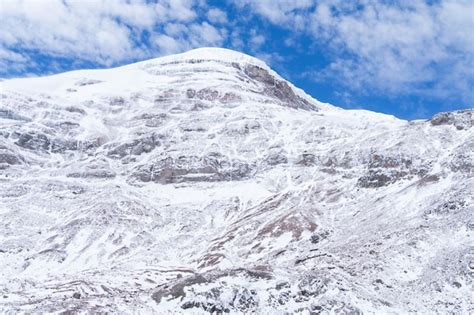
204,182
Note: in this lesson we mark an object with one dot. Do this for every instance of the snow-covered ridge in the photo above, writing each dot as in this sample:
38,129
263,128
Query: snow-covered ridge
209,59
211,54
204,182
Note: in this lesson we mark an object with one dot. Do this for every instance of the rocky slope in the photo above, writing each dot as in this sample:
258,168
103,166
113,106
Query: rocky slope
204,182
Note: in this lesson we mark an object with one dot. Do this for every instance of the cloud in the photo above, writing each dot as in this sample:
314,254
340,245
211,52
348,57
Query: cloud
103,32
206,34
91,31
167,44
279,11
13,60
178,37
215,15
395,47
392,47
256,40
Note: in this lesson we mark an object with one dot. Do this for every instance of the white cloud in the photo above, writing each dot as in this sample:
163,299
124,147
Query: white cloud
279,11
168,45
89,32
101,31
256,40
215,15
205,34
179,10
13,60
180,37
401,48
393,47
175,29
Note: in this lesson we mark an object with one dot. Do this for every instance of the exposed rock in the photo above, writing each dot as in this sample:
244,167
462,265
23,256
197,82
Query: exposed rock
8,114
34,141
316,238
91,145
463,119
217,299
9,158
307,159
313,286
68,125
442,119
99,173
85,81
136,147
230,97
282,285
463,159
386,170
379,161
153,120
276,156
207,94
277,88
74,109
447,207
117,101
210,168
177,290
259,74
190,93
379,178
63,145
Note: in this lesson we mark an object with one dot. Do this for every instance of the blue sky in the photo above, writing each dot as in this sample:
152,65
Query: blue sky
411,59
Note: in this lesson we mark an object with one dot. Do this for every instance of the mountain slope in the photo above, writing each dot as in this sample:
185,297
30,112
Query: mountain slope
206,182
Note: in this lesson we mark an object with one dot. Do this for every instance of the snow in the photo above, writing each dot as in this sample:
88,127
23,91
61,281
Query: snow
252,180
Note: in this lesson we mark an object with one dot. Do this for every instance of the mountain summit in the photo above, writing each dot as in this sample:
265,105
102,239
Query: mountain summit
204,181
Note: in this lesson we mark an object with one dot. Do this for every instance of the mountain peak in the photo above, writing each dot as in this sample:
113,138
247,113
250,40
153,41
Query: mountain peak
208,76
215,53
221,69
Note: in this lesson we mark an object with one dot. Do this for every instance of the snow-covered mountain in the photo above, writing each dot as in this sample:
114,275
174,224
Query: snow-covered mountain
204,182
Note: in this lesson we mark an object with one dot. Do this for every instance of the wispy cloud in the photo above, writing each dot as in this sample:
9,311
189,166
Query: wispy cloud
104,32
384,46
395,47
216,15
291,13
